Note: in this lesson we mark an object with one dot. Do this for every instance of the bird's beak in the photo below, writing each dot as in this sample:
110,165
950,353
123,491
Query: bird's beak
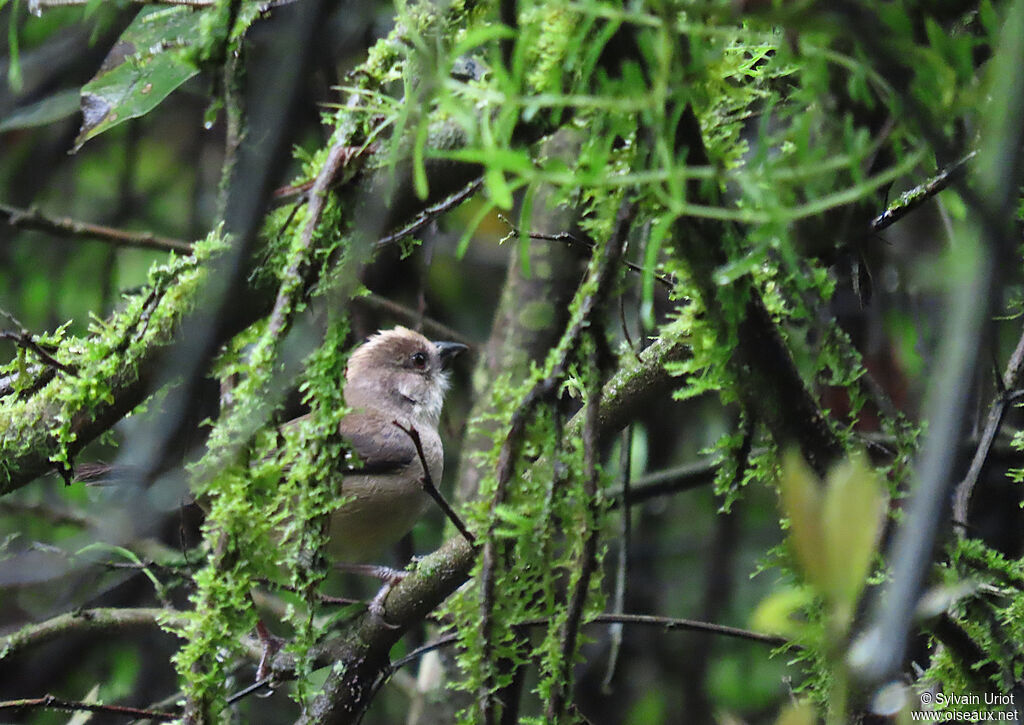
448,350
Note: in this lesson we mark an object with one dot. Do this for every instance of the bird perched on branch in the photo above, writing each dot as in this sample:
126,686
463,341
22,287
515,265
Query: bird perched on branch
395,385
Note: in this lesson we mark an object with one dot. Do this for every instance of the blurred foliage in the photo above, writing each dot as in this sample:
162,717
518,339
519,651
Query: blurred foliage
802,134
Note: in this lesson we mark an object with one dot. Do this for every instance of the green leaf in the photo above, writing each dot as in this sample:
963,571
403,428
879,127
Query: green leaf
141,70
498,188
127,554
14,66
52,108
475,37
419,170
781,612
801,502
486,207
851,517
799,713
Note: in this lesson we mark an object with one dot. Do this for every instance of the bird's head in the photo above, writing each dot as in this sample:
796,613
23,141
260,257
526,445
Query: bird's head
400,372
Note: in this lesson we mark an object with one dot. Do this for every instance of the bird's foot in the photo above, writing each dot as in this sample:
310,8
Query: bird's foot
376,605
389,576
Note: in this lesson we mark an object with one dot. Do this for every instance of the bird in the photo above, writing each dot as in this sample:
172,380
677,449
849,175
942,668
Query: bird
395,385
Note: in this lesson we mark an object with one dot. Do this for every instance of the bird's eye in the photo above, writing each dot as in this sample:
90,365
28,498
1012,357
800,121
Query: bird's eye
419,360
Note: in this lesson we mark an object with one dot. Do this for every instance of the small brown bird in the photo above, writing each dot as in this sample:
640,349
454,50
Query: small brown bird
397,376
395,385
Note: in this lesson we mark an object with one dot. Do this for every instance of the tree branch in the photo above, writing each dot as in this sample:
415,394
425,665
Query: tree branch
598,279
911,200
996,412
366,643
49,702
71,228
107,621
769,384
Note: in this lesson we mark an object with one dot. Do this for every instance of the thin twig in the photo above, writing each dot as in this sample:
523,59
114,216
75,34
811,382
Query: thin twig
997,411
427,481
303,189
24,339
587,244
86,620
409,317
284,308
49,702
669,624
255,687
64,227
911,200
431,213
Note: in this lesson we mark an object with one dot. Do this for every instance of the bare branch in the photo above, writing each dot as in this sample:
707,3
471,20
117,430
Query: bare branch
669,624
996,413
574,240
49,702
431,213
71,228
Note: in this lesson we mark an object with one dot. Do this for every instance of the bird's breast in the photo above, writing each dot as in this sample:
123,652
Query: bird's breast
383,508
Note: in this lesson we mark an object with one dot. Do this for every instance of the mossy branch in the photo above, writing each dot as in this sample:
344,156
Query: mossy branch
111,620
365,645
767,380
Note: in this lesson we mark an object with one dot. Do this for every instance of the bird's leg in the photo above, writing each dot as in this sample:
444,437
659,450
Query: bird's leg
271,645
427,482
386,574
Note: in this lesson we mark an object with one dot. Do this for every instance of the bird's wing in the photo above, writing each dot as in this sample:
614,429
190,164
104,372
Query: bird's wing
381,446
